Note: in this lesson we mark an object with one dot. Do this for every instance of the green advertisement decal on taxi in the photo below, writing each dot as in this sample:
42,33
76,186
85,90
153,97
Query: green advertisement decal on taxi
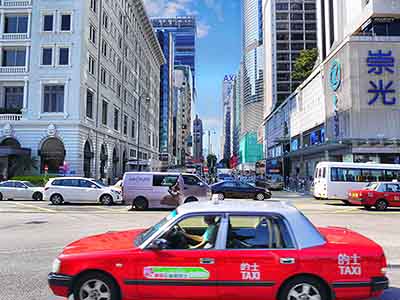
176,273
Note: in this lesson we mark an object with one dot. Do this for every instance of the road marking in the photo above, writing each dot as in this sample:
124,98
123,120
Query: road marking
36,207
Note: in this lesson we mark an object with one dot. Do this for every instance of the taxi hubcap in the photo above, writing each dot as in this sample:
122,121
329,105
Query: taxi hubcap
304,291
94,290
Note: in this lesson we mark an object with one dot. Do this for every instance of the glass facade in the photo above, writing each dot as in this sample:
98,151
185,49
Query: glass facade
184,31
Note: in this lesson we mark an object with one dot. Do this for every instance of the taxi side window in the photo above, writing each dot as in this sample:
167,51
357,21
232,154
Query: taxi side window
392,187
258,232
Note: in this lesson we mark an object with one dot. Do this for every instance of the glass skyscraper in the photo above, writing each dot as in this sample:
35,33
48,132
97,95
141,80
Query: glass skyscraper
253,65
184,31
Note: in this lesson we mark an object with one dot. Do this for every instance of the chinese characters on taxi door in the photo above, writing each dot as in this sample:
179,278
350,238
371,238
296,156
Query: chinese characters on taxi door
380,66
349,265
250,271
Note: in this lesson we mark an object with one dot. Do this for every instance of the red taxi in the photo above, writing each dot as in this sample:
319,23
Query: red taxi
380,195
228,250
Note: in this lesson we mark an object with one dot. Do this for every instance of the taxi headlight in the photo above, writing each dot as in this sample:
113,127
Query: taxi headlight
56,266
384,270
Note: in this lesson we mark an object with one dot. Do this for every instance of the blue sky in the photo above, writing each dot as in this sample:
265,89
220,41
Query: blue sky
218,51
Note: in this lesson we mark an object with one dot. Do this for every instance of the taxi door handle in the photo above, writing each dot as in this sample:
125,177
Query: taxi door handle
287,261
207,261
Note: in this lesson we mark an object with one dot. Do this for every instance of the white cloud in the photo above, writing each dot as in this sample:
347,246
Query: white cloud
202,29
216,6
168,8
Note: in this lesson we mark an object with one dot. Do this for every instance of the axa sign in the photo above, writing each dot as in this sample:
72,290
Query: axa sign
229,77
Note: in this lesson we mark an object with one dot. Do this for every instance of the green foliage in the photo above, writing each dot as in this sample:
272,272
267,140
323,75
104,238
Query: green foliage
22,165
39,180
304,64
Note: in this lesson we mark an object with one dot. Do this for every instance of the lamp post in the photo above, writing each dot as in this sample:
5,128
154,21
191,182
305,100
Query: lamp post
147,99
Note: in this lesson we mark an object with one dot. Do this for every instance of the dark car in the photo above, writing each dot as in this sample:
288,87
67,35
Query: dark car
237,189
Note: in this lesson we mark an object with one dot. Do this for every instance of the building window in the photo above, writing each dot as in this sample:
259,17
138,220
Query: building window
65,22
53,96
103,76
133,129
48,22
14,57
116,119
89,104
92,65
125,124
47,57
104,48
104,118
13,99
16,24
93,5
92,34
105,21
63,59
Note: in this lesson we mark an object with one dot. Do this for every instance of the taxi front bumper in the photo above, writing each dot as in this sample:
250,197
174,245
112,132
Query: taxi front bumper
60,284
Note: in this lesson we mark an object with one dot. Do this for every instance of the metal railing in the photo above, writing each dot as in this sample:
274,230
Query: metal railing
14,36
13,70
15,3
10,117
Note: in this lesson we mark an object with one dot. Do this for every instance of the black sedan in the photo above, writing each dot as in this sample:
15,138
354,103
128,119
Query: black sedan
240,190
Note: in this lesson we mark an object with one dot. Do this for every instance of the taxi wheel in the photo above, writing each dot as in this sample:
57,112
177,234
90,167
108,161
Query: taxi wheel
381,205
191,199
141,203
304,287
97,286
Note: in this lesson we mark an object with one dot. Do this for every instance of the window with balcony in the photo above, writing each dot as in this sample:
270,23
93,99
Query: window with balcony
47,57
13,100
14,58
63,57
48,23
65,22
53,98
15,24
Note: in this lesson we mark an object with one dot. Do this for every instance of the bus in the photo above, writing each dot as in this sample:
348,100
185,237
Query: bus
333,180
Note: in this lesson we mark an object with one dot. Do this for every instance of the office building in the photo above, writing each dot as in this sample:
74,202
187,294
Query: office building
72,79
290,27
349,108
198,140
184,30
237,111
227,110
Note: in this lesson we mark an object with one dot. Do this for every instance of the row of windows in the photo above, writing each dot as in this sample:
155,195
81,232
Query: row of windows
296,26
295,46
295,6
48,56
361,175
64,24
296,36
296,16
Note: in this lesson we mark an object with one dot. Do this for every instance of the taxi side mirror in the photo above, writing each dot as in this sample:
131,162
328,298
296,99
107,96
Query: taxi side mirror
158,244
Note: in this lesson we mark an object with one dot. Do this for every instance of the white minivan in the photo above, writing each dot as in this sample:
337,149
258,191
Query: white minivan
79,189
154,189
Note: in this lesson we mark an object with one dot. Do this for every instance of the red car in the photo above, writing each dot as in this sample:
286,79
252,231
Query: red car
229,250
381,195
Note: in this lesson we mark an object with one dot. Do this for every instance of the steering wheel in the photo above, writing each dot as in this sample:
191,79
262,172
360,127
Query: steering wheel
177,238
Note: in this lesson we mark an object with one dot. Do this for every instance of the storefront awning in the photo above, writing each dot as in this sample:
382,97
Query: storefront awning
316,149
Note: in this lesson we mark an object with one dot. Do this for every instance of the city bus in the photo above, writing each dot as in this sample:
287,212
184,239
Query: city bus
333,180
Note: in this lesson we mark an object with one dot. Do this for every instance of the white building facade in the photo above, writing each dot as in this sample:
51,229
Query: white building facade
72,78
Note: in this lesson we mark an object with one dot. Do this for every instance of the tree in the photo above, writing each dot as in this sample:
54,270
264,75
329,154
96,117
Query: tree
304,64
22,165
211,162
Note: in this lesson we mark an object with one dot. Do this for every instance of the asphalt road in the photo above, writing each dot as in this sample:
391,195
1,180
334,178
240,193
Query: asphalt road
33,233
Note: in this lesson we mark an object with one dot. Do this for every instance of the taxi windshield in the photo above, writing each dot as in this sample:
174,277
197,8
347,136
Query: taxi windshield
372,186
150,231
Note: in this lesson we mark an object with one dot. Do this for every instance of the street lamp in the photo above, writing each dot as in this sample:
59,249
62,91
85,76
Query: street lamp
147,99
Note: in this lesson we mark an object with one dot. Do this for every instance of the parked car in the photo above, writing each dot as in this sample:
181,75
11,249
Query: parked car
20,190
231,249
380,195
153,189
240,190
118,186
78,189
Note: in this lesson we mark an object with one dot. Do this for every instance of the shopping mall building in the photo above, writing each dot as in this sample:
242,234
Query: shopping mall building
349,107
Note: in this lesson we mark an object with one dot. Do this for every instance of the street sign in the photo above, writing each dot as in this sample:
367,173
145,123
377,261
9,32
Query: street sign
205,169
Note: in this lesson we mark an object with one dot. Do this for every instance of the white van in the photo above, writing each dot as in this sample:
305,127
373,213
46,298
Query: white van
156,190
